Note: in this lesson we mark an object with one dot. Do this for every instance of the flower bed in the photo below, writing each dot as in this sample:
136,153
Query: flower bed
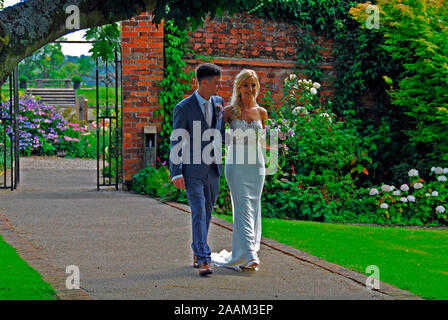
43,130
320,160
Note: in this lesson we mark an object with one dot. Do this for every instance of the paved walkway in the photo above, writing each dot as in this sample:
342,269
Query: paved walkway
130,246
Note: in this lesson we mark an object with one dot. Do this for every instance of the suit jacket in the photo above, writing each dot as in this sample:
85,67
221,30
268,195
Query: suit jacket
188,115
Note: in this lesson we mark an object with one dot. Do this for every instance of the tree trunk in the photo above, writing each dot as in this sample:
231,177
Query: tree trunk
30,25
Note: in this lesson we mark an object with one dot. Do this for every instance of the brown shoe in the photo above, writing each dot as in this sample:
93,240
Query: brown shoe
204,268
195,261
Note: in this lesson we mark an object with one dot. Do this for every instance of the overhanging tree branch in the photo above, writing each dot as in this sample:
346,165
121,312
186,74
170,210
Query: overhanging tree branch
32,24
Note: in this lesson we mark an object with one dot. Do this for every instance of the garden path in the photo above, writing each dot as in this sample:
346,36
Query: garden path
130,246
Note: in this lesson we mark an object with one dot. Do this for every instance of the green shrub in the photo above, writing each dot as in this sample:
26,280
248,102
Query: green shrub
419,202
415,33
76,79
319,155
157,182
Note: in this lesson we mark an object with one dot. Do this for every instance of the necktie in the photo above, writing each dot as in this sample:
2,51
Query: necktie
208,116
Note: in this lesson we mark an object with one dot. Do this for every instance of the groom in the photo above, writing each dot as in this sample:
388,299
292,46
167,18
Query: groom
193,172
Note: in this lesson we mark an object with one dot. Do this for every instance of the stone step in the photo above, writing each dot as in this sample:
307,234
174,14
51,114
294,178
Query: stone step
63,97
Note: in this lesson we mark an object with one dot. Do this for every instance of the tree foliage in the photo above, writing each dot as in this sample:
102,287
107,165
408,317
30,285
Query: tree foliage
415,36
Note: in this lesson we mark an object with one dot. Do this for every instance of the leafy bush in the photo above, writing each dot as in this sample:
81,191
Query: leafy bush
420,202
76,79
314,180
157,182
415,33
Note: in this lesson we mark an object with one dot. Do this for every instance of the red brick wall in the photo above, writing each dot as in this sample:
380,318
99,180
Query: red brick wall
235,42
142,47
245,41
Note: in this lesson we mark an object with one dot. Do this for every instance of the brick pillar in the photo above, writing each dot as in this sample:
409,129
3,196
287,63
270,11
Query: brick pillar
143,62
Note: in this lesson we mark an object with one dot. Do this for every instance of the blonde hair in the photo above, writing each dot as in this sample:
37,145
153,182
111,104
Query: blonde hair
235,101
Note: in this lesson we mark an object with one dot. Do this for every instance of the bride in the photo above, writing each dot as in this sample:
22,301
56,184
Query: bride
244,172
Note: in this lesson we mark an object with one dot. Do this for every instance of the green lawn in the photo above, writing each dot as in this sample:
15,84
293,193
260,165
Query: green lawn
18,281
411,259
90,94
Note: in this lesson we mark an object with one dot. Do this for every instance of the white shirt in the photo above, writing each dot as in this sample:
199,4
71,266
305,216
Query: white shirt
202,101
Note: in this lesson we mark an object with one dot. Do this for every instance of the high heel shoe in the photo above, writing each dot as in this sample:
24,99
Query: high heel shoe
252,264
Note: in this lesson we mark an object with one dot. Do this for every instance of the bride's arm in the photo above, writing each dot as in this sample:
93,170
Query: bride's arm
227,114
264,116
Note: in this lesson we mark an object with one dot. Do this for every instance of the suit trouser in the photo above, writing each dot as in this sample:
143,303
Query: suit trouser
202,194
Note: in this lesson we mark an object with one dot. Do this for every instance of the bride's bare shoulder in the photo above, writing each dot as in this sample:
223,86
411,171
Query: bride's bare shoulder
263,112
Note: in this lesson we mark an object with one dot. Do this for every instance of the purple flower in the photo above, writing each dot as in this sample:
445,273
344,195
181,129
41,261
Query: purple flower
291,133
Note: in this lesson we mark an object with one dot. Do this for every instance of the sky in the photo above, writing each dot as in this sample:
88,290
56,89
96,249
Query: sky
73,49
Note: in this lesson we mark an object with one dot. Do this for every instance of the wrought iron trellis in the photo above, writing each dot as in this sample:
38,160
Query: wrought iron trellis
9,134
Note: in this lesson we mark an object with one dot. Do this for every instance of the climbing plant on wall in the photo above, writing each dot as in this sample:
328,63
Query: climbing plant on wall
175,80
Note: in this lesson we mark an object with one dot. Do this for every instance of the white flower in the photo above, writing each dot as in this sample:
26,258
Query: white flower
392,188
313,90
433,169
418,185
326,115
411,198
373,191
413,173
292,76
384,206
397,193
438,170
440,209
435,194
445,170
403,199
441,178
385,188
316,85
301,110
427,194
404,187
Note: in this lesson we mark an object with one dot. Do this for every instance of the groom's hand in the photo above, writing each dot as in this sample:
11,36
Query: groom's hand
179,183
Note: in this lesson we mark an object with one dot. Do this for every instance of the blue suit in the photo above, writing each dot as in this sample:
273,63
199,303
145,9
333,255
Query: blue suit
201,178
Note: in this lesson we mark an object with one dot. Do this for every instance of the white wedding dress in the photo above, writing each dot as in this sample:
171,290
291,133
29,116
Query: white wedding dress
245,174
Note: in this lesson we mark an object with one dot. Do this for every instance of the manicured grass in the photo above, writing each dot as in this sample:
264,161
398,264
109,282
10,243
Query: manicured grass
18,281
411,259
90,94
